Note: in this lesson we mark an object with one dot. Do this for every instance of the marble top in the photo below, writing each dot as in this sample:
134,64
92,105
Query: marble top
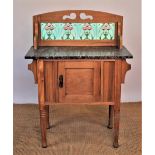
84,52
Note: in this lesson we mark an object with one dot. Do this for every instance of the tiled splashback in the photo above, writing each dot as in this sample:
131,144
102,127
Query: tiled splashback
77,31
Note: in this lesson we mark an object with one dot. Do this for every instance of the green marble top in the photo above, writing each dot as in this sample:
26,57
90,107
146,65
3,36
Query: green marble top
71,52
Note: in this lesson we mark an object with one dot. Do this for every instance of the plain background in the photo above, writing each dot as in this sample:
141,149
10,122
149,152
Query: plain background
25,91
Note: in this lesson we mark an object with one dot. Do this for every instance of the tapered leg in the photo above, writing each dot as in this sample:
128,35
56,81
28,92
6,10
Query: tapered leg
116,128
47,117
110,121
117,92
43,126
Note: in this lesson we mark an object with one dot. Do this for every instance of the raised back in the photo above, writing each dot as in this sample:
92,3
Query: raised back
77,28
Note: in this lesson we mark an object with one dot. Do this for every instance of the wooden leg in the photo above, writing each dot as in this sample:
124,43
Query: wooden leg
116,128
41,98
117,92
47,117
43,125
110,121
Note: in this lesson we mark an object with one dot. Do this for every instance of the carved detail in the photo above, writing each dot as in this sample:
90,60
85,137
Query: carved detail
33,67
84,16
43,127
71,16
43,113
125,68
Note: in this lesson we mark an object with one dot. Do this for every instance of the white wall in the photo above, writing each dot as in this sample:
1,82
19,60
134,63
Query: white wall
25,91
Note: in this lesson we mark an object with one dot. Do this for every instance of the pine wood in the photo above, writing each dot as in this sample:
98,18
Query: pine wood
85,82
36,33
77,103
117,95
107,80
81,82
41,98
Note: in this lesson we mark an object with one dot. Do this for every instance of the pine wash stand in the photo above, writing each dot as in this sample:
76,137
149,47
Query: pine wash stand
78,58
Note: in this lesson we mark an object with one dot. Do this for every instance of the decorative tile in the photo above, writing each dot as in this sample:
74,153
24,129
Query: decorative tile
77,31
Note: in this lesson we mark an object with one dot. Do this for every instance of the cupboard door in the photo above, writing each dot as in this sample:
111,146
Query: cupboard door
79,81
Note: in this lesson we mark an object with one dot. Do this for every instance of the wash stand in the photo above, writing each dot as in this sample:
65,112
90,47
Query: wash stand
78,58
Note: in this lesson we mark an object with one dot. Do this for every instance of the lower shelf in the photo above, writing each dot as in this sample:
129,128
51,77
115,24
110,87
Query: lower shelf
90,103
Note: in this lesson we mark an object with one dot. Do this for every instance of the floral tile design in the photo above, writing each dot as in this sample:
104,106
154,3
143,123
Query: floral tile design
77,31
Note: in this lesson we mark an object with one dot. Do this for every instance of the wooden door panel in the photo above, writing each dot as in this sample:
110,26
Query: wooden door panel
81,81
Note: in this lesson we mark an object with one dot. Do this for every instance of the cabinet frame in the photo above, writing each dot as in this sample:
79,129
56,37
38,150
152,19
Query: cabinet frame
38,68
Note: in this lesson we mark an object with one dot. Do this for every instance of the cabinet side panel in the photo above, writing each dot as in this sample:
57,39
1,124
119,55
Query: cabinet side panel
97,81
50,81
107,78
